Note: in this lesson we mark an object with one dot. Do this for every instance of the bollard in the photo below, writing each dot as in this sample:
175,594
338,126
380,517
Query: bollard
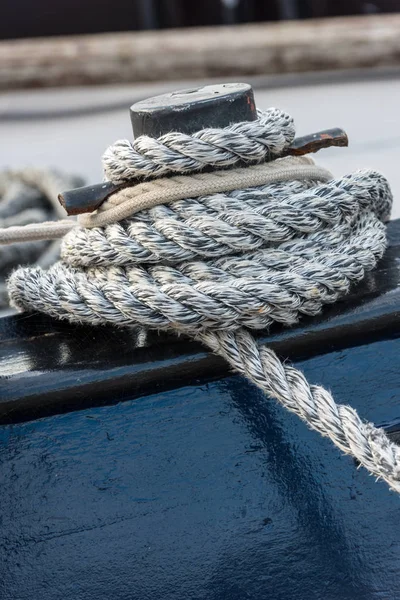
190,110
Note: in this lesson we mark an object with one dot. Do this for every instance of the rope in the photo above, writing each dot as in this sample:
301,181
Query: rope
46,230
217,266
27,197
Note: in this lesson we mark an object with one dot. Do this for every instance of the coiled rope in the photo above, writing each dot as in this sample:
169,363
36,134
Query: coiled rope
219,265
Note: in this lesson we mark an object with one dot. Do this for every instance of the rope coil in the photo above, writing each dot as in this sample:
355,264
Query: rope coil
217,266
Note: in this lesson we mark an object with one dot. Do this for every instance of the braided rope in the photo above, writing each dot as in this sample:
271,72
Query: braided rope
216,267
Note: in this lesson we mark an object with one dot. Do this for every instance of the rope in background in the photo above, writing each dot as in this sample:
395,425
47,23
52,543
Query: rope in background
27,197
219,266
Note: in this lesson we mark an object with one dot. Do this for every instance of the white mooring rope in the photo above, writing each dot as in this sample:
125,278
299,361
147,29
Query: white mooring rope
219,265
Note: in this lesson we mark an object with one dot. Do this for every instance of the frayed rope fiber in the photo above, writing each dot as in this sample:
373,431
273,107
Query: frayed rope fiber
218,266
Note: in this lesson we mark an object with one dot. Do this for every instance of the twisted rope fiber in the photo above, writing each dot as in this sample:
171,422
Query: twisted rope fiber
218,266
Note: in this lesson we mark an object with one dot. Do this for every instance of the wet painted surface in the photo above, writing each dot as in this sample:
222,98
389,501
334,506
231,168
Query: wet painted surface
206,492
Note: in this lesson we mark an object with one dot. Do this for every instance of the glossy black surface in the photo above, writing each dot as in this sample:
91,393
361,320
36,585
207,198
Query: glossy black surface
194,109
207,492
49,367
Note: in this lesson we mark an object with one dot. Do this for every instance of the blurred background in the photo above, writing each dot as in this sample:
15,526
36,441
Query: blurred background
24,18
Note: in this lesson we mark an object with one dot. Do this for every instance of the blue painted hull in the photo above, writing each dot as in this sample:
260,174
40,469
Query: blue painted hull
208,491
